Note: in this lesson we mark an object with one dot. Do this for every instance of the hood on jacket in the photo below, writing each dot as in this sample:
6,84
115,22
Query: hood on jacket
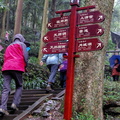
20,37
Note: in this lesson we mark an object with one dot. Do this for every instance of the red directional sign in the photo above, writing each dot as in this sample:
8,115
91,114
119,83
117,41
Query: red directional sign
56,35
58,22
88,45
90,17
55,47
89,31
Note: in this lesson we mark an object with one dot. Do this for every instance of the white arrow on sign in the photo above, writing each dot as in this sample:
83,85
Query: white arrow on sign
99,31
46,38
49,25
45,50
99,45
100,17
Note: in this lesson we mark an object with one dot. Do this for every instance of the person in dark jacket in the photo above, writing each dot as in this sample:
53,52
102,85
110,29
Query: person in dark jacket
15,63
115,73
63,71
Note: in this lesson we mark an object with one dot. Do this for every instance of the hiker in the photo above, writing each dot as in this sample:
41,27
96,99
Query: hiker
6,37
115,72
52,61
15,63
63,71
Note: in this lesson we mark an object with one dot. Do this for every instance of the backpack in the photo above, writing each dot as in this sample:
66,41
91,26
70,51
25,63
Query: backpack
118,68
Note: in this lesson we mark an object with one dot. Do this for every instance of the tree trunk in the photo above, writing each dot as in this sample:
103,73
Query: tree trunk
89,72
8,15
18,18
53,8
44,29
4,21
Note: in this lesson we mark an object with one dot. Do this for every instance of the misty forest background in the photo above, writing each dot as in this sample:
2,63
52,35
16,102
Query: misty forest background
32,17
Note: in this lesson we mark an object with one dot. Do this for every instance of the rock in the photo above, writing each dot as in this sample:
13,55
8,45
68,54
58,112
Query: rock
45,109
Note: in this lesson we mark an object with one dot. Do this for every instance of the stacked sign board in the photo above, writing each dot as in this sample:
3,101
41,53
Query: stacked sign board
57,40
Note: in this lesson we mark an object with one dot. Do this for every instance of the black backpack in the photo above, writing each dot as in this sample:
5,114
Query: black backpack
118,68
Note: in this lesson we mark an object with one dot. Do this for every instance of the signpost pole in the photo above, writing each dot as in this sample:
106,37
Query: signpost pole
73,45
71,63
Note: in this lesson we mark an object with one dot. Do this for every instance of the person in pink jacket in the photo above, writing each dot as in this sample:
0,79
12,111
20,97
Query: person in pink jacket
15,63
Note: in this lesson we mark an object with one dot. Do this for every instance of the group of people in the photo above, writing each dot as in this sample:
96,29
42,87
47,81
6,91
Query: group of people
55,62
15,63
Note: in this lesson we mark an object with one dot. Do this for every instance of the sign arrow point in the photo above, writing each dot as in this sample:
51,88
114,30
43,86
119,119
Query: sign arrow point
45,50
45,38
99,45
49,24
100,17
99,31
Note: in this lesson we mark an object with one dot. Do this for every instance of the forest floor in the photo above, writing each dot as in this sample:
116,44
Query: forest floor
111,101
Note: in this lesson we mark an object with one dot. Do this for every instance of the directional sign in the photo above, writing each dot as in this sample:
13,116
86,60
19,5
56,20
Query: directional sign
55,47
58,22
90,17
88,45
56,35
89,31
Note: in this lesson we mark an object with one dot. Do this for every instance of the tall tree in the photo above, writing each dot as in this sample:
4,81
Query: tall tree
18,18
8,15
4,19
53,8
89,72
44,29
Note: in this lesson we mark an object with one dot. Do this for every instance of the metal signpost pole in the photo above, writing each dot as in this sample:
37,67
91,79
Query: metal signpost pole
71,63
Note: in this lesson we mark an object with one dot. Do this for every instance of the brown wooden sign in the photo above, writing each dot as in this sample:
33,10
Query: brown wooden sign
56,35
90,17
55,47
58,22
89,31
85,45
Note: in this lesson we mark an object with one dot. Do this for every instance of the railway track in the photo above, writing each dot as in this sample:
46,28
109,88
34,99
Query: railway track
31,100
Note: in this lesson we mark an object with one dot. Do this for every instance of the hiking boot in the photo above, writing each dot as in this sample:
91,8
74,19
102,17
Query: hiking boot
14,107
3,112
49,89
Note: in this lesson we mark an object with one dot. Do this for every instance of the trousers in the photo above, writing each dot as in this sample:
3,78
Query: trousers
8,76
53,69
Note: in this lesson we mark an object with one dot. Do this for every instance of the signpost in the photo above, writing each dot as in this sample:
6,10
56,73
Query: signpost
88,45
56,35
58,22
89,31
66,40
75,2
90,17
55,47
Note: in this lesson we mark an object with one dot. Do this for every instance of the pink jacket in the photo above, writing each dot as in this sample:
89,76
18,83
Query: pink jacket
16,55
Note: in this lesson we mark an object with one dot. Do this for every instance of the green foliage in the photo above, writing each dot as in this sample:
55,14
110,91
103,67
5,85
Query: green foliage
33,60
83,116
115,25
111,92
34,49
36,83
36,77
2,5
111,45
